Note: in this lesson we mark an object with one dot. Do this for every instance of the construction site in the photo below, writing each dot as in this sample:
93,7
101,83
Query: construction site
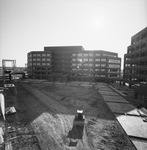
43,115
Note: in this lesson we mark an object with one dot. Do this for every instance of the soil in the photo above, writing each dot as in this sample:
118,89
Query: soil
45,119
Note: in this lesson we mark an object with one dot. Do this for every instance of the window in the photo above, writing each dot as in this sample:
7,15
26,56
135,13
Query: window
103,65
43,59
30,55
73,59
38,64
43,64
48,64
97,59
48,54
79,64
43,54
97,69
74,54
38,59
128,58
80,54
97,75
113,70
102,75
34,54
29,64
90,59
114,61
97,65
109,55
103,70
34,59
90,69
144,35
73,64
113,66
85,54
38,54
80,60
30,60
143,45
90,65
74,69
48,59
85,69
85,64
90,54
97,54
113,75
103,59
85,59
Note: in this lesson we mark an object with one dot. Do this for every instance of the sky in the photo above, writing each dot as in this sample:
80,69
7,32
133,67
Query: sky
30,25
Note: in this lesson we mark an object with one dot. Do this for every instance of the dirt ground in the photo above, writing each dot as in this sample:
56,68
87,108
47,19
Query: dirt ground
46,112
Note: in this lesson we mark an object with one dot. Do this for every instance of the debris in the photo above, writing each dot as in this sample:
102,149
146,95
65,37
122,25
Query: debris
10,110
9,85
8,146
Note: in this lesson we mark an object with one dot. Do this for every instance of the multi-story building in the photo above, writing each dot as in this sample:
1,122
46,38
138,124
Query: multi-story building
74,61
97,64
61,57
39,64
135,61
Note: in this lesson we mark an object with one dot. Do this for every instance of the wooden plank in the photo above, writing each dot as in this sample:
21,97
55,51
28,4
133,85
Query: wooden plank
135,112
140,144
120,107
107,93
122,94
118,99
134,126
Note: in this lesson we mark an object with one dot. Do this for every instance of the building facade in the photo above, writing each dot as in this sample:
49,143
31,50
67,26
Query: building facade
39,64
135,61
98,65
74,61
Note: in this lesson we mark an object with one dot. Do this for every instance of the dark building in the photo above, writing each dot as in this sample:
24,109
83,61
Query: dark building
61,57
135,61
39,64
74,61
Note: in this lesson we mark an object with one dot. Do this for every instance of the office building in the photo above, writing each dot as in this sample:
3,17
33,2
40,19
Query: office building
135,61
74,61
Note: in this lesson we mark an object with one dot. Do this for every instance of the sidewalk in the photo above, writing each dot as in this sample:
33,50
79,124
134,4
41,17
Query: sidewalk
126,114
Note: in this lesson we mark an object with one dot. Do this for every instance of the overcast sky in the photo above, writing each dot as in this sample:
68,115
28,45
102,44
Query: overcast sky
29,25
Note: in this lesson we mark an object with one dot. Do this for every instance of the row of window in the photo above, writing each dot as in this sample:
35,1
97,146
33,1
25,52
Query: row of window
38,59
139,38
39,64
85,54
130,50
86,59
96,65
100,75
96,59
136,72
86,69
92,54
74,54
38,55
